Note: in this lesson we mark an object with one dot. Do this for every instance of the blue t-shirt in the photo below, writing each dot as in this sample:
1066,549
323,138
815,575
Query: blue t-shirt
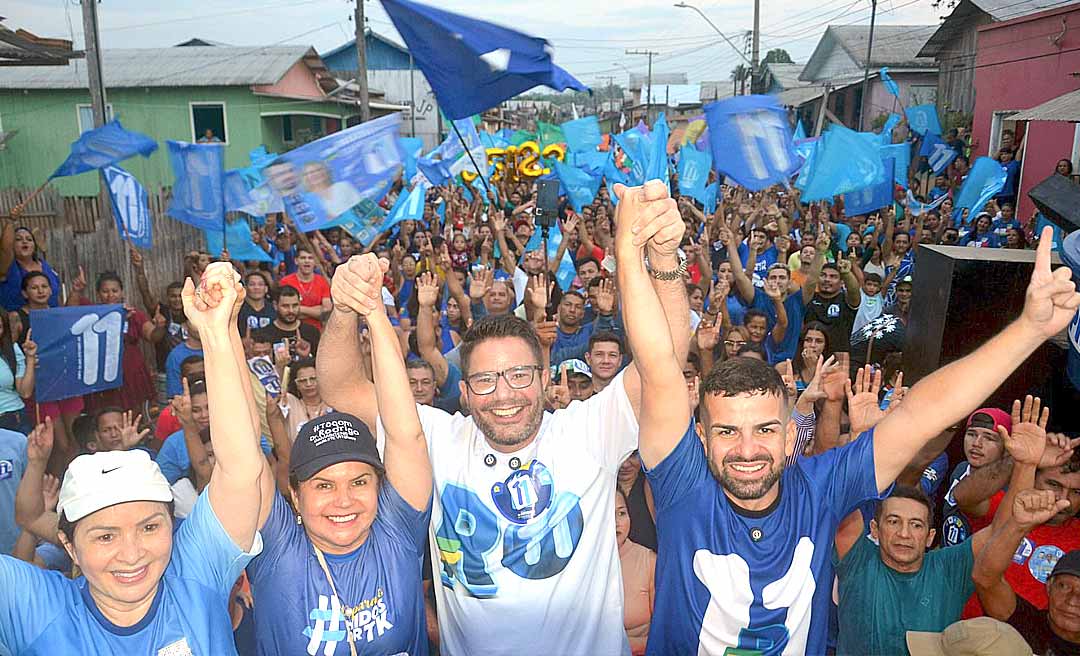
1000,227
180,352
11,288
12,466
296,612
173,458
795,309
729,578
43,612
765,259
1012,174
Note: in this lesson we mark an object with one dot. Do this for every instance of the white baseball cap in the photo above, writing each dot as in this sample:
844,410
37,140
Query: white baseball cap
104,479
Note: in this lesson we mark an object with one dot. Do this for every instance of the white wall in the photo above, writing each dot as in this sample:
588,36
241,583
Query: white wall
395,84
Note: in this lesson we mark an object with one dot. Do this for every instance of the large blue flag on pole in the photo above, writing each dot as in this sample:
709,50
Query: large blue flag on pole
104,146
751,141
237,236
581,187
985,179
473,65
130,207
872,197
890,84
582,135
843,161
198,195
938,153
694,167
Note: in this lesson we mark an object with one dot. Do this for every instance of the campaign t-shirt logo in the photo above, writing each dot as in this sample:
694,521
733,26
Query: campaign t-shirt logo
1023,551
525,494
178,648
834,310
7,468
1043,560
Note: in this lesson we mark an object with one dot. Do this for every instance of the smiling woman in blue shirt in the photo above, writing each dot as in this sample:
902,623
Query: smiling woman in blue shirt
144,589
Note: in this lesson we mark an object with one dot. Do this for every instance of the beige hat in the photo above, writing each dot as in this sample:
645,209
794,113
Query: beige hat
982,636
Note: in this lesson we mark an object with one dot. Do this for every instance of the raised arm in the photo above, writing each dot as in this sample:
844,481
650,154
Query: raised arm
664,408
241,474
951,393
744,286
7,246
406,459
30,511
427,293
24,384
776,295
821,248
341,380
852,292
149,302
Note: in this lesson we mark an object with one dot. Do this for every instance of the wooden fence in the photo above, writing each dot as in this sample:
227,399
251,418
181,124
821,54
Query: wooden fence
74,232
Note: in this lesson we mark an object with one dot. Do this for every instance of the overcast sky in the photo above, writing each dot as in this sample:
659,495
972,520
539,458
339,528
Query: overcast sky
590,36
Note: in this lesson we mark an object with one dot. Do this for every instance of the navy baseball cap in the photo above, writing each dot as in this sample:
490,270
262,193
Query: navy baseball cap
1068,564
331,439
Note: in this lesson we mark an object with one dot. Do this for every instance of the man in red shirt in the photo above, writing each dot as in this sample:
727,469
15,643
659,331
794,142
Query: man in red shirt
314,289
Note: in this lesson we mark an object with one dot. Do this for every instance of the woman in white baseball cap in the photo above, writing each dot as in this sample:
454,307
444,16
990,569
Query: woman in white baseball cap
145,589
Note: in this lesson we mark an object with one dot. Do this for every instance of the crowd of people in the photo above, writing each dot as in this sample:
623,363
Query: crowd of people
429,444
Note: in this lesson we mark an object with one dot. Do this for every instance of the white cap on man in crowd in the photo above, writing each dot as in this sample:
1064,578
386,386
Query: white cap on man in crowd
573,366
981,636
99,480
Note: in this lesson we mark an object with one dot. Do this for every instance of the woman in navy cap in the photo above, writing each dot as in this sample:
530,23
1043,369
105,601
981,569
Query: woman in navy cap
340,571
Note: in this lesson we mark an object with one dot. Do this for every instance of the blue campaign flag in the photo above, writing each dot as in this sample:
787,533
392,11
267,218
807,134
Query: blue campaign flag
631,144
411,147
581,187
80,350
613,175
582,135
886,130
198,194
409,207
938,154
102,147
473,65
890,85
800,133
130,207
873,197
324,179
593,162
751,141
843,161
237,239
985,179
918,208
657,168
694,167
923,119
712,193
364,220
901,155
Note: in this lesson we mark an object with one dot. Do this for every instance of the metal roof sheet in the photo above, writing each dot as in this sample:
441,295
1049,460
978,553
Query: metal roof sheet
1065,107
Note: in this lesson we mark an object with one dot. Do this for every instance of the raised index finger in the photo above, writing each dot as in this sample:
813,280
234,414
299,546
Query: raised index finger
1042,254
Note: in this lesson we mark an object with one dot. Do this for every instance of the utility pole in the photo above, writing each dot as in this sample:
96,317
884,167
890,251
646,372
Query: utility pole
648,100
755,51
866,72
93,61
412,94
361,62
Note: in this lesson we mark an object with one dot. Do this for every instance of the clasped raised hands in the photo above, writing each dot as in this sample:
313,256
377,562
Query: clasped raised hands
213,305
357,284
647,215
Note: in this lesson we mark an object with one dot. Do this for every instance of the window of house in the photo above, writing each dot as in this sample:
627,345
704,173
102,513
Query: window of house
1002,124
923,95
86,116
208,123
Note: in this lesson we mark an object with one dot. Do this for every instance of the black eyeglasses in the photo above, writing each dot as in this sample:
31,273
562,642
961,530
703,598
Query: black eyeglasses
517,378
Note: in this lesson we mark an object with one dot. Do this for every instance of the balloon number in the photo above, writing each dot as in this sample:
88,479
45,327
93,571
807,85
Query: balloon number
516,163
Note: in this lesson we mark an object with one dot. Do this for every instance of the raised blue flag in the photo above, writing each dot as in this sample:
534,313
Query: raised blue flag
612,176
411,147
102,147
800,133
237,239
409,207
751,141
938,154
364,220
886,130
712,193
198,194
80,350
890,84
842,161
983,181
901,155
694,167
581,186
129,207
873,197
658,167
582,135
473,65
631,144
923,119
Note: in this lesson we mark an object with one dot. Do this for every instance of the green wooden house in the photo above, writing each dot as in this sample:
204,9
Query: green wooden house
276,96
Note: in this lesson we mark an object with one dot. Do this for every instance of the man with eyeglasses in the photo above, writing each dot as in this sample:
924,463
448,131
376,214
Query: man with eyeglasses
521,531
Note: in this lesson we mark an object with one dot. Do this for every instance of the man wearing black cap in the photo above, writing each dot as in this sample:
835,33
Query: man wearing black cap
1055,630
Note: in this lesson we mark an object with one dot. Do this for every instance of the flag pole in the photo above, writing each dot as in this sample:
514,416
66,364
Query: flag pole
17,211
468,152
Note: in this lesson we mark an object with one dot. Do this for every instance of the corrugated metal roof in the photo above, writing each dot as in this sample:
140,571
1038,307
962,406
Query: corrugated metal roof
964,14
786,75
1003,10
894,45
799,96
191,66
1063,108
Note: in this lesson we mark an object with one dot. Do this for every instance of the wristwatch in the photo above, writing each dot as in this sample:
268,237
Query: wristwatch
674,274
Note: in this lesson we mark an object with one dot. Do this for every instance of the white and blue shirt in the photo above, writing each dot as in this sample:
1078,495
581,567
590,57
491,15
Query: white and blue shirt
379,592
728,578
12,466
43,612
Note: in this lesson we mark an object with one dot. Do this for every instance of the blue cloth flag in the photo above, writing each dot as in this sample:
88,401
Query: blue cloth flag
631,144
873,197
923,119
129,207
712,194
890,85
237,239
694,167
842,161
411,147
409,207
613,175
938,154
581,187
751,141
324,179
473,65
364,220
886,130
582,135
983,181
102,147
658,167
80,350
198,194
901,155
800,133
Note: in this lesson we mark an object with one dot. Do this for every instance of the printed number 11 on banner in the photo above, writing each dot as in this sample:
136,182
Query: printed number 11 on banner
89,328
762,135
80,350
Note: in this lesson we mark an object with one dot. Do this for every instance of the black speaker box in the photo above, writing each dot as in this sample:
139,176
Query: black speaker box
1058,198
964,296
